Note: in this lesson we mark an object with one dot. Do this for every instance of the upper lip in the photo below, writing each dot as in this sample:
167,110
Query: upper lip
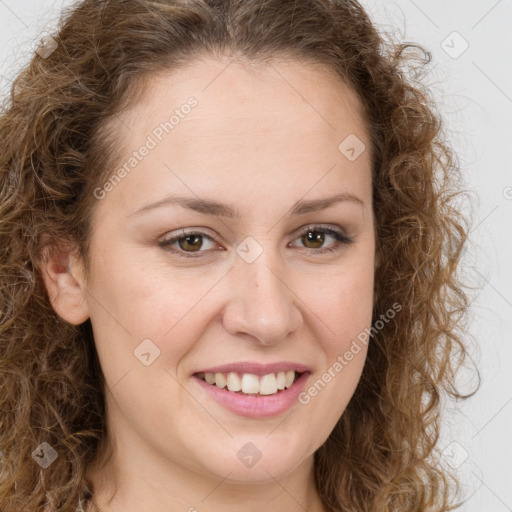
256,368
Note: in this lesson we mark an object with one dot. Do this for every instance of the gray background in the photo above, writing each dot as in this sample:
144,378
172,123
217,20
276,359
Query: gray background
473,88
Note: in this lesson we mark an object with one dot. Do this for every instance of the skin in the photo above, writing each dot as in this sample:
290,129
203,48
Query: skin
270,142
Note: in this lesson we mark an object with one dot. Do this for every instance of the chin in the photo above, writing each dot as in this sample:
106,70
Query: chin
259,458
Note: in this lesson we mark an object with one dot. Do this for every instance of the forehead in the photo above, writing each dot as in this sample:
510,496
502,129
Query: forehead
235,97
280,123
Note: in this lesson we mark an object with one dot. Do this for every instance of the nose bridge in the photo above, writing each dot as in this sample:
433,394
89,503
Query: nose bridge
266,307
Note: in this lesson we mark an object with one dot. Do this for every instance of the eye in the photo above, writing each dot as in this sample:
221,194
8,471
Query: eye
189,243
316,235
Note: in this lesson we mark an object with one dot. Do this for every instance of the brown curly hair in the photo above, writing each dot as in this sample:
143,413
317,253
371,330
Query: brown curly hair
57,147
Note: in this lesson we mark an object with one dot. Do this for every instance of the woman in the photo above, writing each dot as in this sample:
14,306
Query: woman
229,265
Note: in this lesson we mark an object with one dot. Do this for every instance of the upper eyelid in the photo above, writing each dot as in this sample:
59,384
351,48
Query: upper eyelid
205,231
299,231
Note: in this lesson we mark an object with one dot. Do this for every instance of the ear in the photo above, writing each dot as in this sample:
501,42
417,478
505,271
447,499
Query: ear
64,279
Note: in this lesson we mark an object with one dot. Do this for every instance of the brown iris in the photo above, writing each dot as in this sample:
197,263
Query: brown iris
309,236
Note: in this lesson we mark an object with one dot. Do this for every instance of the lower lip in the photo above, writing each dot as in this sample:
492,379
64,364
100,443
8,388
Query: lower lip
256,406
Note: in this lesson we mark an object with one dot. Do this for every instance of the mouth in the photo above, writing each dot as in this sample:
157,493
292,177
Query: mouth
251,384
252,389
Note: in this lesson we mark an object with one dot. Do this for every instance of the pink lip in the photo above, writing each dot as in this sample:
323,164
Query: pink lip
254,406
256,368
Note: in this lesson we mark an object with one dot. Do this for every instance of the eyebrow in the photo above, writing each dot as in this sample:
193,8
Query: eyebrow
209,207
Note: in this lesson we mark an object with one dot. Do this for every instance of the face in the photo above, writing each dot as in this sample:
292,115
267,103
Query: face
260,274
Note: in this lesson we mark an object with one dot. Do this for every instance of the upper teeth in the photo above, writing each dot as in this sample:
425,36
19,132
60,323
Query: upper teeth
251,383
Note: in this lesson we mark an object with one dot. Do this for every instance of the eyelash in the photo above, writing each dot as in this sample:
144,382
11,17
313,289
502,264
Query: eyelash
341,239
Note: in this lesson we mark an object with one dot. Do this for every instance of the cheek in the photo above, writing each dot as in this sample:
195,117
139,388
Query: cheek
145,298
344,304
351,310
135,311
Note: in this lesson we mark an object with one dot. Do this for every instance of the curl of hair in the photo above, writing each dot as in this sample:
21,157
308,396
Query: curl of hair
57,146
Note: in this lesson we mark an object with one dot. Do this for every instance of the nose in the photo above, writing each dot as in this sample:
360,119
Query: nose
262,305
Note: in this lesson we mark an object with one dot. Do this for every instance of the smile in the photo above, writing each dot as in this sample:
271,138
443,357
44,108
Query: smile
254,390
251,384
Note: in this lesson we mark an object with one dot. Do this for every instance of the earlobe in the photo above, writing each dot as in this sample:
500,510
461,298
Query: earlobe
63,276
